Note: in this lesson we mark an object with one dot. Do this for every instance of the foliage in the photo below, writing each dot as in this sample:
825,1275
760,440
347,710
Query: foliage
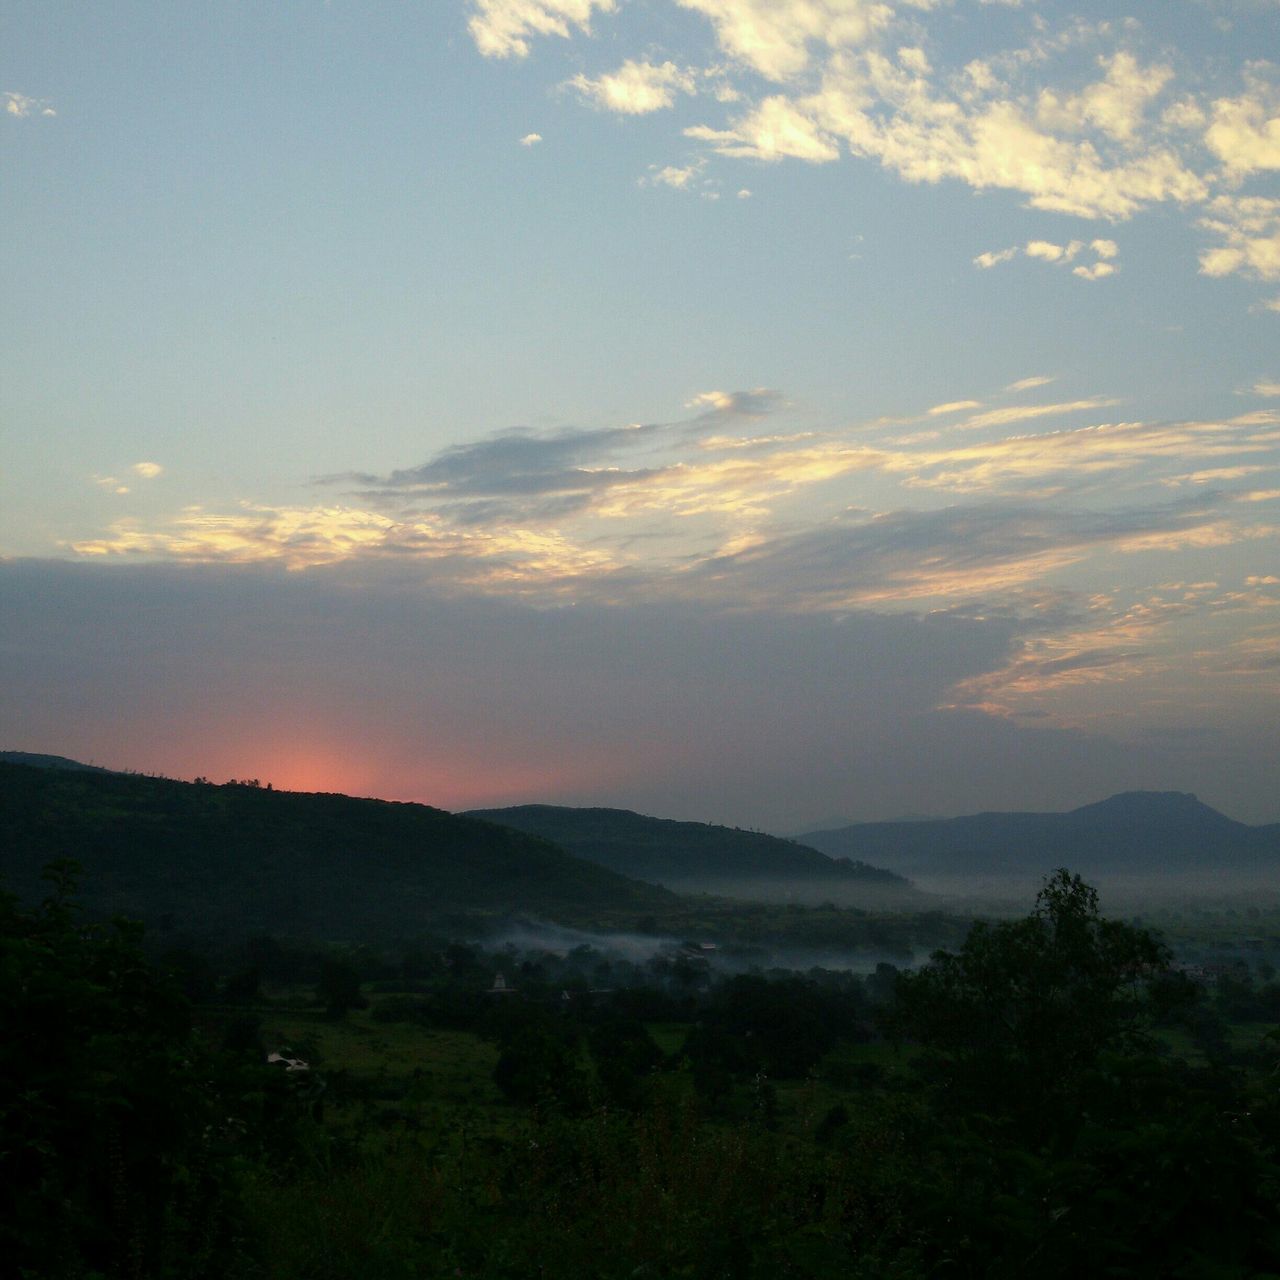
235,861
109,1139
539,1065
1045,1133
339,986
669,852
1018,1017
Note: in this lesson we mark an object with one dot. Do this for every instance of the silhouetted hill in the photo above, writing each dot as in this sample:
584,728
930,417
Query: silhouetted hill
237,859
38,761
1136,831
682,853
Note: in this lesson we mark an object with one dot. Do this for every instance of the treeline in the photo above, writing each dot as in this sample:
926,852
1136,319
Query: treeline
1048,1111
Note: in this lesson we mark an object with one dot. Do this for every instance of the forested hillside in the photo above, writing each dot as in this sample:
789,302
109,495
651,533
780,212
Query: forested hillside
675,853
240,859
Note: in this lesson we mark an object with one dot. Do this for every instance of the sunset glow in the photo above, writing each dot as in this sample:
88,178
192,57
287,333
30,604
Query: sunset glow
742,411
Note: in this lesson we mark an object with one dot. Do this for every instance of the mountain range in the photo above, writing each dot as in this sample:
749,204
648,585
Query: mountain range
1133,832
240,859
687,855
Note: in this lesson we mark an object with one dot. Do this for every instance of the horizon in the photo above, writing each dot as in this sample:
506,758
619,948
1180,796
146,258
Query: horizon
734,410
796,835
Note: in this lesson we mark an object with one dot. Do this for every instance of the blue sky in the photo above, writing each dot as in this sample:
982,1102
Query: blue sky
545,325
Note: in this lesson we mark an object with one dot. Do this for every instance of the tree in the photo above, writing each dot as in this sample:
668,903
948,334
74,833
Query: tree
1015,1020
537,1065
339,987
108,1127
624,1054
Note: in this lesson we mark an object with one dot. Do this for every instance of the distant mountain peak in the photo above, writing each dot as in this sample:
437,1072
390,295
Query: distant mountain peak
1153,806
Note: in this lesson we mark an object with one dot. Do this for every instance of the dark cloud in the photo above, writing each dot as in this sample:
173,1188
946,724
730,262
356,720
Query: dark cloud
752,718
518,461
952,549
530,475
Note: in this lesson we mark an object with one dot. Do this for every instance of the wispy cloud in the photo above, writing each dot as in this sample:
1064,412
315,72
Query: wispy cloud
1009,414
953,406
645,508
975,550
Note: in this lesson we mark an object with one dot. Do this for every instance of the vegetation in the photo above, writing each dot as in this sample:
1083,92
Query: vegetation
212,866
1049,1099
242,859
677,853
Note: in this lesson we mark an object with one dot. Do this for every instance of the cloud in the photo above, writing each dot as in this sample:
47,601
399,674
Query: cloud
1244,132
1250,227
21,107
1026,384
775,130
531,139
1115,105
1058,254
974,550
858,78
502,28
529,477
147,470
1082,454
678,177
987,137
744,193
409,692
1266,387
1052,252
636,88
773,37
995,257
1022,413
1098,271
953,406
515,461
755,403
304,538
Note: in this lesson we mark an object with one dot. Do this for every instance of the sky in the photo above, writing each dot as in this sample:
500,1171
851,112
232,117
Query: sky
770,412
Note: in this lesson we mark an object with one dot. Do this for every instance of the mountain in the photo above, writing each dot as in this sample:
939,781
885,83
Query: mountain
238,859
686,854
1136,831
48,762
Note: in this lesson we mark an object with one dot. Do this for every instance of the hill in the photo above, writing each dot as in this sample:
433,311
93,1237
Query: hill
233,860
1134,832
686,855
38,761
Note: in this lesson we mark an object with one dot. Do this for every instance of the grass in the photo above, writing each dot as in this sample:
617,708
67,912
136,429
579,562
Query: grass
440,1067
